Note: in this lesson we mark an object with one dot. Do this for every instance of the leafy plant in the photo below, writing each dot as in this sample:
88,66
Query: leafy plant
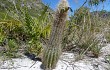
37,28
11,49
2,37
95,2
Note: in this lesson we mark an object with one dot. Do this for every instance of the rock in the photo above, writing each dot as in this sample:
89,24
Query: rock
32,56
105,50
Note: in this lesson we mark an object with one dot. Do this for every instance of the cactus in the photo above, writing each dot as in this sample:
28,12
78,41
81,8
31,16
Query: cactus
53,49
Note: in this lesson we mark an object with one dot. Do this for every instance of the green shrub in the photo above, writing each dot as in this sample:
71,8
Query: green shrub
81,32
2,38
29,31
36,28
11,49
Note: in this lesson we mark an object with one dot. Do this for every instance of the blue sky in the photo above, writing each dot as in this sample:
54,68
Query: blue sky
75,4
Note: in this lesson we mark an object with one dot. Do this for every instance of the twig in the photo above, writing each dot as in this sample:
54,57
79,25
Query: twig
33,64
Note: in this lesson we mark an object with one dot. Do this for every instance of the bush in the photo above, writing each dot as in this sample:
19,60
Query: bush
81,32
11,49
29,30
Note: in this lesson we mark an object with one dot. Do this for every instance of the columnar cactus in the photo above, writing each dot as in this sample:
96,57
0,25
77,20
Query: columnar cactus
53,48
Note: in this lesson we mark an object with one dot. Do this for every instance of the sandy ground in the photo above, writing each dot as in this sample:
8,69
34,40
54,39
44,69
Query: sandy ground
66,62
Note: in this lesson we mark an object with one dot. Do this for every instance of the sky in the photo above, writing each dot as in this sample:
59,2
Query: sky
75,4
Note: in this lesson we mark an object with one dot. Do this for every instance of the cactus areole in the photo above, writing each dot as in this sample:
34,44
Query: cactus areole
53,48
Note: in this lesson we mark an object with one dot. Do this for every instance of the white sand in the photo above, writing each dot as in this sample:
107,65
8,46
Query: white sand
66,62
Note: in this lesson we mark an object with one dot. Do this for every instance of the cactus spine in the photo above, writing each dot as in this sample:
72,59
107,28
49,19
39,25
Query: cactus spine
53,48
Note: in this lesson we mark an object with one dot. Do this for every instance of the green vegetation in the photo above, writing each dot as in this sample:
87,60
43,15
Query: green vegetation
28,30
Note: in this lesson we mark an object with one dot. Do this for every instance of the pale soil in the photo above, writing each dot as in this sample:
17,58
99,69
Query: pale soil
66,62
